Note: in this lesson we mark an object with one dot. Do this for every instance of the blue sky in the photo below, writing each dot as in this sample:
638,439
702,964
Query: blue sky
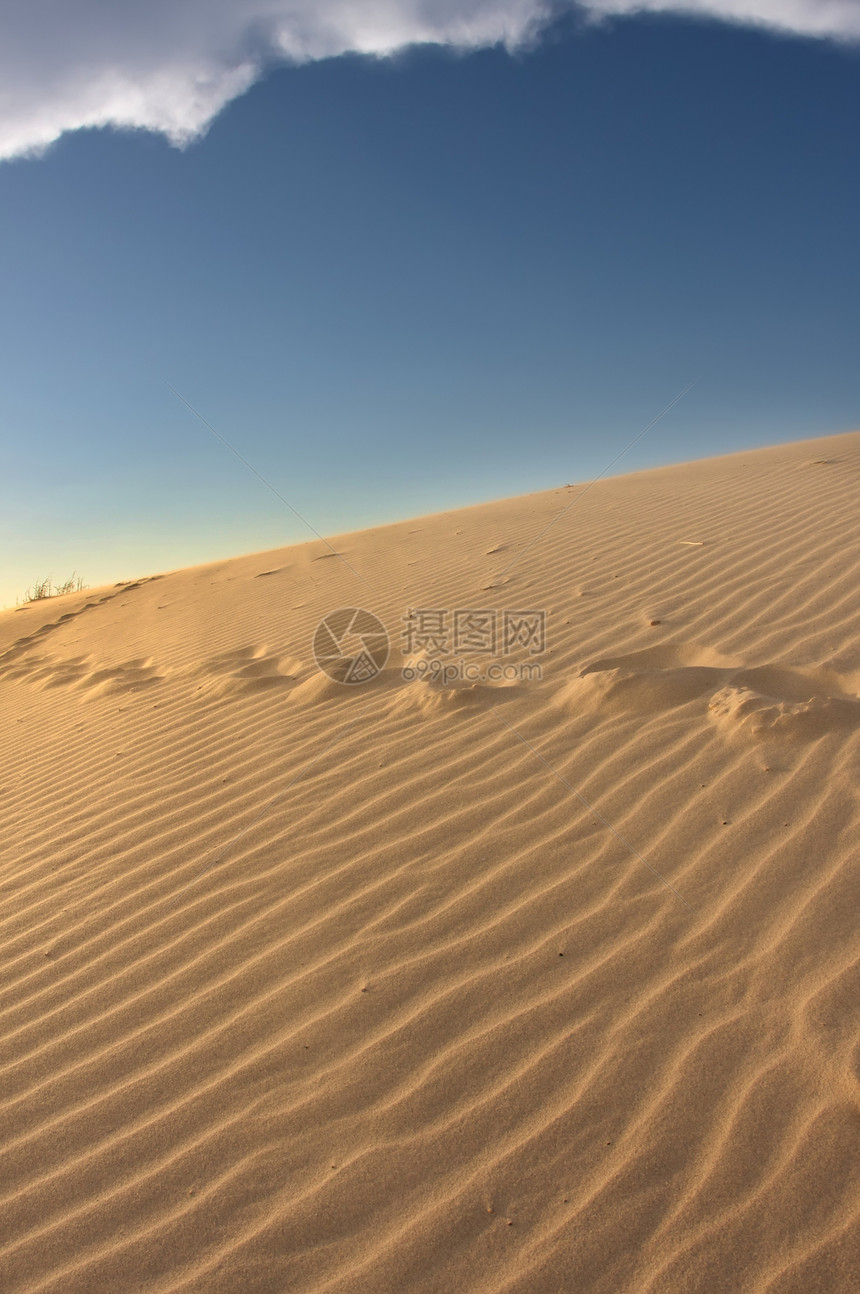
407,283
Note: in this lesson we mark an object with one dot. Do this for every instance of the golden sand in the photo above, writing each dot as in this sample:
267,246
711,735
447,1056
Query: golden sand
495,987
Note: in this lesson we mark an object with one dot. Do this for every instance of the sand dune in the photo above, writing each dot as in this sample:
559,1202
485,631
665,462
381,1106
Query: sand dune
449,985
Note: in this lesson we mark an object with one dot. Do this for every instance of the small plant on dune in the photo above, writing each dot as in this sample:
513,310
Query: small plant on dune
38,591
74,584
45,589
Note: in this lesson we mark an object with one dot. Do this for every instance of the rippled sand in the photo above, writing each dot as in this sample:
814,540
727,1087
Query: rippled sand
464,987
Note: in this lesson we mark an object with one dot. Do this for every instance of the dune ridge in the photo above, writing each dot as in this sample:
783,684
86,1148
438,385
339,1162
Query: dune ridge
322,988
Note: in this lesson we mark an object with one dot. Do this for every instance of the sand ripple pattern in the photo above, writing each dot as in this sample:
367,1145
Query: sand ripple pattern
306,990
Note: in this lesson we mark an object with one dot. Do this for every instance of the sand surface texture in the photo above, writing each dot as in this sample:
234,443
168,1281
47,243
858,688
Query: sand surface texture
520,986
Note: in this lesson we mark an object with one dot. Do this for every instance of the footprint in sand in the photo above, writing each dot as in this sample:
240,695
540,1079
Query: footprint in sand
656,678
773,701
84,672
247,669
761,701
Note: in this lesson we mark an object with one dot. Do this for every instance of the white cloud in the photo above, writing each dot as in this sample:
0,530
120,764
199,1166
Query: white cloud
836,19
171,65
